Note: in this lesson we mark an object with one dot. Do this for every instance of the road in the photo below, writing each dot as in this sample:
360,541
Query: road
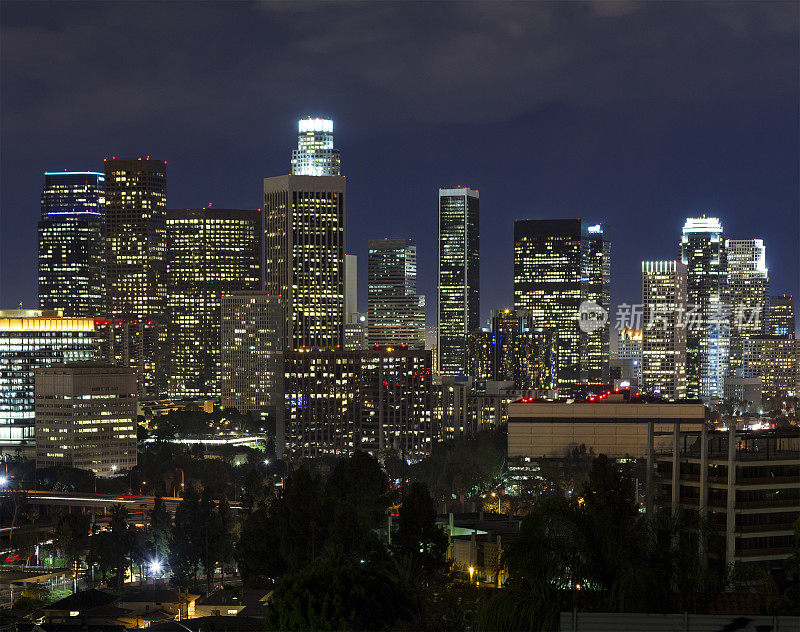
99,501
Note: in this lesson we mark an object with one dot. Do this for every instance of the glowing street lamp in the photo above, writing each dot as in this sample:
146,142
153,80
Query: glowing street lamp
471,573
3,481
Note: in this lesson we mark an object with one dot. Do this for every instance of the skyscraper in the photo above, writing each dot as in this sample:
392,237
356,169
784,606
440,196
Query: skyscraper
253,345
663,333
748,285
459,277
396,311
703,253
315,154
31,339
781,316
562,277
71,243
304,252
210,252
136,199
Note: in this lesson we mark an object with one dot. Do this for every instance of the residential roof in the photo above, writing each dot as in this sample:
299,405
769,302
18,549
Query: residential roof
158,595
84,600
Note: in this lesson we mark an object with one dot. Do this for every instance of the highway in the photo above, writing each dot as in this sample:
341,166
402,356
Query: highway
99,501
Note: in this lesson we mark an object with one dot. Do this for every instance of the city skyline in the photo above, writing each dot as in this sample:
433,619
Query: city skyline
677,160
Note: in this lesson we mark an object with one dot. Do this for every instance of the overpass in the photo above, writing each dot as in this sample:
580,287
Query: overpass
99,501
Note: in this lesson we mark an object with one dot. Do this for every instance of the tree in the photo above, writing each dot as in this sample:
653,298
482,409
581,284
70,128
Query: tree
418,537
159,530
71,536
188,546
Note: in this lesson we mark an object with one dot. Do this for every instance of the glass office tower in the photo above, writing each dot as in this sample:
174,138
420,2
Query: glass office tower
708,310
562,270
210,252
781,316
396,311
459,277
315,154
71,243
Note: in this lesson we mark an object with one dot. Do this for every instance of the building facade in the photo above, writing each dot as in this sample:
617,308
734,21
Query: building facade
396,311
629,349
210,252
86,417
702,251
252,348
30,340
304,252
139,345
459,277
72,243
562,278
340,401
776,360
315,154
781,316
663,334
748,286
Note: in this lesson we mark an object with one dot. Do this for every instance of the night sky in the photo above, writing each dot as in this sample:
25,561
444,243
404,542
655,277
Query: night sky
636,115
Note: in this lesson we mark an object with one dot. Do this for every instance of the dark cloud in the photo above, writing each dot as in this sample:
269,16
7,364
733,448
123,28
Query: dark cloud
637,113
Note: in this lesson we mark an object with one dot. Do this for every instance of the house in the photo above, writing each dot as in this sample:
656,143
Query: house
160,604
228,602
89,608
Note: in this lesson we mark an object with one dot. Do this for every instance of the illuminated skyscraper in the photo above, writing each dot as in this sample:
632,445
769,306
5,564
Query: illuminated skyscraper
71,243
781,316
210,252
31,339
396,311
663,335
459,277
748,284
708,307
315,154
629,350
136,199
562,271
252,356
304,255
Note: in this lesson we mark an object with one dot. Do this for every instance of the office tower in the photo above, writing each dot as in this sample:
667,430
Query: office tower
137,345
86,417
480,354
304,255
562,277
356,331
663,335
136,200
396,311
350,284
253,344
210,252
781,316
629,349
708,307
459,277
520,352
71,243
748,286
776,360
432,345
31,339
340,401
315,154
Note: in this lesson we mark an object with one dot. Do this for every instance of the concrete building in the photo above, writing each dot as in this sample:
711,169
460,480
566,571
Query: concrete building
339,401
140,345
356,332
458,277
776,360
86,417
252,348
663,332
629,348
748,285
31,339
210,252
780,316
562,278
615,424
746,389
749,488
72,243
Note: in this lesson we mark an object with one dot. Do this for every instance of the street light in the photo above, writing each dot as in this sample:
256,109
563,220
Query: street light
3,481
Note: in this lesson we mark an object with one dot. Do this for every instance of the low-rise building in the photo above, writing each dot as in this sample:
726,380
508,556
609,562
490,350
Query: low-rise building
611,423
746,483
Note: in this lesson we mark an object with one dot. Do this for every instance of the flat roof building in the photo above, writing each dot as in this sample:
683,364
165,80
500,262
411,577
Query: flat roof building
86,417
